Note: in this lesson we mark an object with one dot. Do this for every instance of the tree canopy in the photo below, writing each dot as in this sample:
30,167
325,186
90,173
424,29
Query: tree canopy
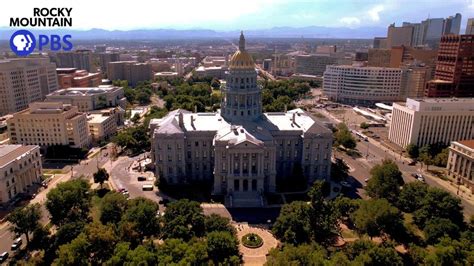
385,181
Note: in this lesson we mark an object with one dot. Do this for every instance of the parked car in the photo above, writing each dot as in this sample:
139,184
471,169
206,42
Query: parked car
164,201
126,193
3,256
141,178
366,180
412,162
17,243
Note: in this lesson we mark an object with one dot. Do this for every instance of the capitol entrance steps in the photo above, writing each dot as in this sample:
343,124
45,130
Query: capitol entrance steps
245,200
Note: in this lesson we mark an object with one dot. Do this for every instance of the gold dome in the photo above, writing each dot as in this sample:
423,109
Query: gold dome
241,59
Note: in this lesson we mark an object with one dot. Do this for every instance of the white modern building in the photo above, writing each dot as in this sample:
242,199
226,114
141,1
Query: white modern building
241,150
88,99
104,123
49,123
362,85
432,120
20,166
23,81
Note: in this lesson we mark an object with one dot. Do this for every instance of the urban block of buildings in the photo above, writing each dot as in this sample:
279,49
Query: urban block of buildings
49,123
90,98
73,77
80,59
461,162
241,150
23,81
20,167
454,74
362,85
132,71
432,120
104,123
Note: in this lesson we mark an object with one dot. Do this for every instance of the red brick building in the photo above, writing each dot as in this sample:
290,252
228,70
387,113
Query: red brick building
454,75
72,77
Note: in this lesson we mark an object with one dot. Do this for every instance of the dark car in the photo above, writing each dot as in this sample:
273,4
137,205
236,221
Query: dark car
141,178
412,163
164,201
3,256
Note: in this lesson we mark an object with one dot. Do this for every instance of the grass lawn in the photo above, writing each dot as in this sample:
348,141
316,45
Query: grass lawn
411,227
52,171
348,233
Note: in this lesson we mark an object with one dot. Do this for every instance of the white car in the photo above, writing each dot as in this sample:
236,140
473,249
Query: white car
17,243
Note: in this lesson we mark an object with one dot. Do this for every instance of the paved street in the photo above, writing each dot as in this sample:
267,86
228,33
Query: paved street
86,168
376,153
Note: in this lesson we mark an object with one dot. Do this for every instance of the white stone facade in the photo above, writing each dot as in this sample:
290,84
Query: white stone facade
241,150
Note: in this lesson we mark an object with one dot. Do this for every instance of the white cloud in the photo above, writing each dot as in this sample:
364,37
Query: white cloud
350,21
374,12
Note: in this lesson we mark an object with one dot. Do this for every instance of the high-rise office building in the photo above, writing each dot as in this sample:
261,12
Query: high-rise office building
314,64
452,24
397,36
80,59
23,81
72,77
362,85
132,71
470,26
380,43
454,74
106,58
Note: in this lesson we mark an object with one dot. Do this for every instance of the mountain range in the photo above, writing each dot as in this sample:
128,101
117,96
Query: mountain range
150,34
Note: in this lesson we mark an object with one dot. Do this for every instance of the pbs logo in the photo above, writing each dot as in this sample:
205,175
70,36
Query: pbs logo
23,42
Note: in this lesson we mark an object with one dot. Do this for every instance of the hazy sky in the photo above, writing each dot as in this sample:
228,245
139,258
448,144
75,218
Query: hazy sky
242,14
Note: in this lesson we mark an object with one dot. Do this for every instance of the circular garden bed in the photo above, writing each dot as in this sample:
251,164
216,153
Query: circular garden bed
252,241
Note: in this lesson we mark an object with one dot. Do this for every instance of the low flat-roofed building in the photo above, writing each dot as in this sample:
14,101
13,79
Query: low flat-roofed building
72,77
461,162
104,123
49,123
214,72
166,75
20,166
431,120
90,98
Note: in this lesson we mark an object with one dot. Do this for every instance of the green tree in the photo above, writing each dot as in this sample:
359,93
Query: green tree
68,231
120,254
183,219
412,196
136,118
69,201
344,208
439,204
440,227
441,159
305,254
412,151
364,125
385,181
142,212
425,156
112,208
216,222
221,246
344,137
379,255
376,217
102,240
25,220
176,251
323,217
74,253
101,176
293,225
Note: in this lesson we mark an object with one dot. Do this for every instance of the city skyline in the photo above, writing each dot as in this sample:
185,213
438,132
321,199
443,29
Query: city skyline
258,14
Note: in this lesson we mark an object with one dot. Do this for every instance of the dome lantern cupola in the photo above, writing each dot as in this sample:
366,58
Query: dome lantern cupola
242,41
241,59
